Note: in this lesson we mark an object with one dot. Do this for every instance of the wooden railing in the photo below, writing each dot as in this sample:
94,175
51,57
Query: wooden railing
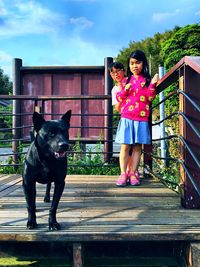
184,78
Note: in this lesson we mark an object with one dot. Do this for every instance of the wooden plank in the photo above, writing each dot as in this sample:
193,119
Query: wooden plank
94,209
10,182
6,178
80,233
11,188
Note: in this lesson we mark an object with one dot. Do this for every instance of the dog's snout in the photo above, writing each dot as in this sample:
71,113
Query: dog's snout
63,145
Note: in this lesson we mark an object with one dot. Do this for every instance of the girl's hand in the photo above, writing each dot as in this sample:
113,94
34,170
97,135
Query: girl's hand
155,78
127,87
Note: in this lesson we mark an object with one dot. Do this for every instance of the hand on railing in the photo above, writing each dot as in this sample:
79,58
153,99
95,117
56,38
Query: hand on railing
155,79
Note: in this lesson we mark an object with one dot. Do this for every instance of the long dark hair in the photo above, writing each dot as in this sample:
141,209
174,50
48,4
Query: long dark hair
139,55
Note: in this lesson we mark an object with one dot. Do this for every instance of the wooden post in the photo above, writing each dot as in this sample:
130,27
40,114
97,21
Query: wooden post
191,254
190,198
17,64
108,119
78,255
181,132
195,254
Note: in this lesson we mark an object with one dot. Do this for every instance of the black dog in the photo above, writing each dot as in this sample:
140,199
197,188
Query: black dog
46,162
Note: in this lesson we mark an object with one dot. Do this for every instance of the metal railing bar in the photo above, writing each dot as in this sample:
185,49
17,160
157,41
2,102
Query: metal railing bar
190,124
69,165
94,166
161,179
55,97
186,119
60,114
197,188
190,151
70,141
13,140
186,145
166,118
12,154
157,157
185,168
165,138
14,128
164,99
195,105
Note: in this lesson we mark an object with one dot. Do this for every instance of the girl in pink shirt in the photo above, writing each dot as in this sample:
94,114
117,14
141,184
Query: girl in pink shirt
133,130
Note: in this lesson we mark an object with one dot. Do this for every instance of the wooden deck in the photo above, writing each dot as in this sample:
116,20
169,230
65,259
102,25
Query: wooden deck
92,208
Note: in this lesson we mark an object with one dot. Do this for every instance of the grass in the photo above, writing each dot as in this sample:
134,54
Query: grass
46,262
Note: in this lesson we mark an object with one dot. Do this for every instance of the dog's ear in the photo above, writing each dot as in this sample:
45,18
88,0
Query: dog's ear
38,120
67,116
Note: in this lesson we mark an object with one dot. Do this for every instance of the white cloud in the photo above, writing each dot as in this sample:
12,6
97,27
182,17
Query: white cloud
164,16
81,22
78,52
27,18
4,56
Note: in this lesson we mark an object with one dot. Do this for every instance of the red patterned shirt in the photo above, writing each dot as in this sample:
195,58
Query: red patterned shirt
136,101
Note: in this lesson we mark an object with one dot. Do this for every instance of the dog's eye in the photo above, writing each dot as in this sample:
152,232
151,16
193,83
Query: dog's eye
52,133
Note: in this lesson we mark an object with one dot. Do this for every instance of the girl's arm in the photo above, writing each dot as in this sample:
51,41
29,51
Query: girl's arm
155,79
151,90
122,95
126,90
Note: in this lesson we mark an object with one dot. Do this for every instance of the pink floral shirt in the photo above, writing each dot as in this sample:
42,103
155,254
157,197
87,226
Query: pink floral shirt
136,101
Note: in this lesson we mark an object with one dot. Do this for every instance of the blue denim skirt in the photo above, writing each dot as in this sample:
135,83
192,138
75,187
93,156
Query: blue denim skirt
132,132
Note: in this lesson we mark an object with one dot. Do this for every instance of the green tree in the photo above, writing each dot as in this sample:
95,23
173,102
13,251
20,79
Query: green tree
5,84
151,46
184,42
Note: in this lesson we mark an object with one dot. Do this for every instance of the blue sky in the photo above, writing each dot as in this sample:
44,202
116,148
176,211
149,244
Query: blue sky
83,32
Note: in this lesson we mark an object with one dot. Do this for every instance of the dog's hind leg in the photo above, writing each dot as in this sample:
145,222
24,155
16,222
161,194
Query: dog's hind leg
58,190
30,196
47,194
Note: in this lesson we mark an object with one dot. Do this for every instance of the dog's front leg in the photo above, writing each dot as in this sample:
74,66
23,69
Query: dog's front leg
30,196
58,190
47,194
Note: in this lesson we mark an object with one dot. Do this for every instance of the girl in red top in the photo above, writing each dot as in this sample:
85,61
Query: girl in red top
133,127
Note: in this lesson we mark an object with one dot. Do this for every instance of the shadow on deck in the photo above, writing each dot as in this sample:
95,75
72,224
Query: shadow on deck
92,209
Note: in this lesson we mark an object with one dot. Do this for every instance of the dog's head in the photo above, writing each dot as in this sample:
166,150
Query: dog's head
52,136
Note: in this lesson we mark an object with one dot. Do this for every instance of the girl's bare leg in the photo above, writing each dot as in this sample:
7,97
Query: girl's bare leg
129,160
135,158
123,157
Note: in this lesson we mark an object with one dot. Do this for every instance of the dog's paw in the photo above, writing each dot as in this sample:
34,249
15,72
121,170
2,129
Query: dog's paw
54,226
47,199
31,225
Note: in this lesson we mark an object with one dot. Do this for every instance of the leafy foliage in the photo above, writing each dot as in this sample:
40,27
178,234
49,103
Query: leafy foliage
184,42
151,46
5,84
90,162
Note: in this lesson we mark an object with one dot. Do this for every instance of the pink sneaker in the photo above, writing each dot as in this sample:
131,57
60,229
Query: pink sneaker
134,179
128,176
122,180
137,175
